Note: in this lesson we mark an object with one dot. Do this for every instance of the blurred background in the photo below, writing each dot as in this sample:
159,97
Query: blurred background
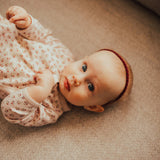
127,130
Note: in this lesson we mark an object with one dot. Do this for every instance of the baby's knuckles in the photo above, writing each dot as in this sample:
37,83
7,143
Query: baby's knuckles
16,10
23,24
12,11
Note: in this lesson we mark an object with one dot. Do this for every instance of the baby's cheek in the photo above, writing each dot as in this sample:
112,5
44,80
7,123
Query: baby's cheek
78,96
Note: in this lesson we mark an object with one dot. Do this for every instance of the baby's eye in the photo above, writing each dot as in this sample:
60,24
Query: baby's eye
84,67
90,86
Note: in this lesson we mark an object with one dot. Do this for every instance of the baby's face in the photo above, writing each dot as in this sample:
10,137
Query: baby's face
94,80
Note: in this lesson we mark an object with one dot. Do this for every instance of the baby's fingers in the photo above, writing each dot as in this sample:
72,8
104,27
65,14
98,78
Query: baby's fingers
37,77
10,12
8,16
16,18
20,22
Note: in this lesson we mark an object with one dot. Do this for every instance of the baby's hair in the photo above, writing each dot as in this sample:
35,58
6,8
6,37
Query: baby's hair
129,77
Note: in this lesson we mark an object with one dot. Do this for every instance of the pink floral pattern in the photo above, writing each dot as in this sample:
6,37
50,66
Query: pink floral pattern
23,53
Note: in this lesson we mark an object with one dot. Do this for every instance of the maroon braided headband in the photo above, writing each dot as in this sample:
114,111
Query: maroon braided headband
127,73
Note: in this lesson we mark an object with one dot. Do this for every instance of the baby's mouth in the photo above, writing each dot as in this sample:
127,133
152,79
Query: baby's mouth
66,84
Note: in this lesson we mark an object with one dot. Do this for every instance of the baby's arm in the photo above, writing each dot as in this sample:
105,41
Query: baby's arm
19,17
31,29
27,26
24,106
19,108
42,89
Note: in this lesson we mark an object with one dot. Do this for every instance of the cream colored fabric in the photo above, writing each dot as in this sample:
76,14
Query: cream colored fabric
126,131
23,53
19,108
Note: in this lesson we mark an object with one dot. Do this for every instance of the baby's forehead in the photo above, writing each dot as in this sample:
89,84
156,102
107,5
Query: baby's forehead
104,54
107,63
105,58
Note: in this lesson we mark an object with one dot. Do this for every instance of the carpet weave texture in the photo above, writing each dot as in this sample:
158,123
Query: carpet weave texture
127,130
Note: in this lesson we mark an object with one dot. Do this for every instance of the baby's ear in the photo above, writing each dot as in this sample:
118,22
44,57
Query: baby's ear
96,108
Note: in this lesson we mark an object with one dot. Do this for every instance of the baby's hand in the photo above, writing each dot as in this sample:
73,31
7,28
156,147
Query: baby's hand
43,87
45,79
19,17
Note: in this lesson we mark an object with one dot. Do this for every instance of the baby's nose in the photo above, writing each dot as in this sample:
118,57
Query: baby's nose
76,81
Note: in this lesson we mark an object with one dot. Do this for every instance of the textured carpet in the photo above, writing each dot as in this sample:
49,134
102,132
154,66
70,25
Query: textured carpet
125,131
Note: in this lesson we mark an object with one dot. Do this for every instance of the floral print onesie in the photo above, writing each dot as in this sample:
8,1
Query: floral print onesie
23,53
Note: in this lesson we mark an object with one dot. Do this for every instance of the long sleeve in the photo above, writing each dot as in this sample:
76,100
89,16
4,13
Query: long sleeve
21,109
40,51
37,32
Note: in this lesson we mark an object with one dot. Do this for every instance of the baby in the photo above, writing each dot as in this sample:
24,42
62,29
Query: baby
38,76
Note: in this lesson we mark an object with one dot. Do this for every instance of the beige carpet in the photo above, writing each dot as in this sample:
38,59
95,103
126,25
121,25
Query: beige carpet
125,131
